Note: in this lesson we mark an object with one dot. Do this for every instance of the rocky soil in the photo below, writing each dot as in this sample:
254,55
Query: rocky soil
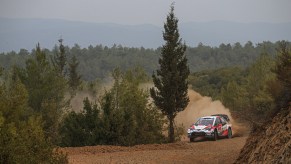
270,143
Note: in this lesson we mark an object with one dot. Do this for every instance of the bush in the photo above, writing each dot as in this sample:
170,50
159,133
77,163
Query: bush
27,144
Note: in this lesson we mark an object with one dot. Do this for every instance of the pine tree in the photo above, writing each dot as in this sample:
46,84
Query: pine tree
46,90
283,76
127,117
74,77
170,93
60,58
260,101
22,137
81,129
1,70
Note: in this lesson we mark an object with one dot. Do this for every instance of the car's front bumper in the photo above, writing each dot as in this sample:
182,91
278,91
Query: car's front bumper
206,134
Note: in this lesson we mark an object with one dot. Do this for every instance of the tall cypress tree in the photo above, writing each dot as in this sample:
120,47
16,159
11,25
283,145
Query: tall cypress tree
170,92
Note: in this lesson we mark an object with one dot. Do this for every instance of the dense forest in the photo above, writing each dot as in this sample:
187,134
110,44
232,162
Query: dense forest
96,62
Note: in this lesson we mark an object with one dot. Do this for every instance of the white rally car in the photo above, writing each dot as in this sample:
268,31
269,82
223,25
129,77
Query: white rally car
212,127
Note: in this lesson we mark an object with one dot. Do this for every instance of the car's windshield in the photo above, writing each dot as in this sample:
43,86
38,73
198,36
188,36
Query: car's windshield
204,121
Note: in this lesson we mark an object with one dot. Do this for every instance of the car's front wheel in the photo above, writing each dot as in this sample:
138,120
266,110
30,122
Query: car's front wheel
215,135
229,133
191,139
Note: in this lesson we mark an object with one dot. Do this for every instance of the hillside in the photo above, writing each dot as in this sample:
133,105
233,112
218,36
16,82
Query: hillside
26,33
271,143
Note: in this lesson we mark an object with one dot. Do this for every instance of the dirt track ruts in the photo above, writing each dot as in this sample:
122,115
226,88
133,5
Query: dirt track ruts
221,151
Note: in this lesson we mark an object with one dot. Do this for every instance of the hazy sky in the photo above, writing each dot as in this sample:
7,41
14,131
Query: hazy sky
149,11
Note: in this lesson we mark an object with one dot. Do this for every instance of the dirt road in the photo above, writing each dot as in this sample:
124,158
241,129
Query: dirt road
221,151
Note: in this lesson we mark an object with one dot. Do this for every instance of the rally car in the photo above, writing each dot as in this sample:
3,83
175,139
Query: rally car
212,127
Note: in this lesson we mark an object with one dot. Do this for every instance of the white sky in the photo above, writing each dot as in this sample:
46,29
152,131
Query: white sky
132,12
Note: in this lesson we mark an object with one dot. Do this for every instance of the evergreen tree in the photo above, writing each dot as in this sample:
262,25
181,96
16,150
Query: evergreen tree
260,101
231,95
46,90
74,77
22,138
171,85
91,122
60,58
107,108
72,130
114,112
1,70
128,119
283,76
81,129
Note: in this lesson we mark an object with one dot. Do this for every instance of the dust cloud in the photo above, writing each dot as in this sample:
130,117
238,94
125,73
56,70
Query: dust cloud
200,106
76,103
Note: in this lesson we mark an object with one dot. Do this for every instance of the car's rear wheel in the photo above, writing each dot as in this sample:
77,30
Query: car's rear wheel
229,131
215,135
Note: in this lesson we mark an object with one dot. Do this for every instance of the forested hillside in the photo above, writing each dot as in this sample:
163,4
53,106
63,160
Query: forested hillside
95,62
253,81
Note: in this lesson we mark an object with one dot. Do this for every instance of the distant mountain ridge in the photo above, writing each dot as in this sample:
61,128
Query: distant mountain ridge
26,33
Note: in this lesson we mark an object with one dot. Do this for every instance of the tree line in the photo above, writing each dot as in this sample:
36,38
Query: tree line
96,62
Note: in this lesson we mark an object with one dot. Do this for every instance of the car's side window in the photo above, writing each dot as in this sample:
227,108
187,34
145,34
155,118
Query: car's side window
217,121
223,121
